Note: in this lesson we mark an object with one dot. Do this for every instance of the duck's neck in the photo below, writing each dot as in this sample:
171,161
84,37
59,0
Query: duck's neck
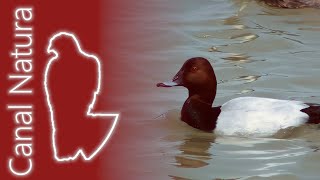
206,94
197,110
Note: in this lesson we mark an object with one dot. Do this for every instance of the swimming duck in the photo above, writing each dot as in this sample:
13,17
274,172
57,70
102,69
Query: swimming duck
248,116
293,4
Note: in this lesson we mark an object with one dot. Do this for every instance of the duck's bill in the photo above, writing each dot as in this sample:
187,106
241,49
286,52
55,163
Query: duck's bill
167,84
176,80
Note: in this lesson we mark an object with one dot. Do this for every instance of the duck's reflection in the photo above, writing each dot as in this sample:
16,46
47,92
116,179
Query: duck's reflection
194,146
195,150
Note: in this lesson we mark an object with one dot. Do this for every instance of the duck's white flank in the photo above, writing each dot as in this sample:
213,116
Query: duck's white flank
260,117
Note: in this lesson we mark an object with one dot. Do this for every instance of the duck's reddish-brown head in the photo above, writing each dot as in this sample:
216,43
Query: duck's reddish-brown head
195,73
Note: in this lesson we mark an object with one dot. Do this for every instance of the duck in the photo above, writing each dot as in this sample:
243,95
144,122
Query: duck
245,116
293,4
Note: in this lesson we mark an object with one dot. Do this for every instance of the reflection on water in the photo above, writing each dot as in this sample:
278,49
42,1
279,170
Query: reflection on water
242,58
246,37
248,79
194,152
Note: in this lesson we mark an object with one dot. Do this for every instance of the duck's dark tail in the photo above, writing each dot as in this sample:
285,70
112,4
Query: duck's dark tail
293,4
314,113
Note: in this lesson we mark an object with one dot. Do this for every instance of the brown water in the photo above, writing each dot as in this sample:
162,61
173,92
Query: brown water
255,51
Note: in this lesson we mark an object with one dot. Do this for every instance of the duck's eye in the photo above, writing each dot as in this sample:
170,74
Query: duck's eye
194,69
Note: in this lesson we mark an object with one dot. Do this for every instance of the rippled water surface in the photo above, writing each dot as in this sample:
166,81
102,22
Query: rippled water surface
255,51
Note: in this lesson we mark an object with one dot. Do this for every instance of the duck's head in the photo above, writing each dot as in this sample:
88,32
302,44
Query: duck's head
198,76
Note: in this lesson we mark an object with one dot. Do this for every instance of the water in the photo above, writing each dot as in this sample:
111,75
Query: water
255,51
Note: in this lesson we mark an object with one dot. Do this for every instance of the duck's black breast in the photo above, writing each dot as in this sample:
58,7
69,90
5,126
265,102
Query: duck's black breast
199,114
